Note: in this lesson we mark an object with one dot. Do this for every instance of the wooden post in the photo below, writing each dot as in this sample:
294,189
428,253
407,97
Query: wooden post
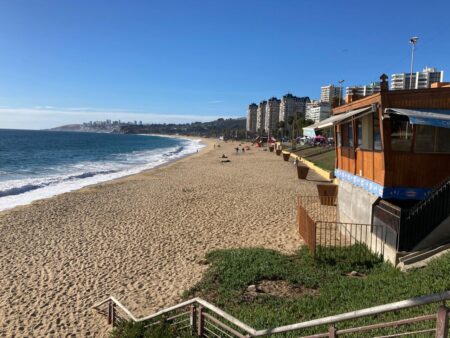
332,332
442,322
111,313
192,320
200,321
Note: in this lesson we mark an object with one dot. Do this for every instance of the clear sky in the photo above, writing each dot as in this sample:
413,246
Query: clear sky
66,61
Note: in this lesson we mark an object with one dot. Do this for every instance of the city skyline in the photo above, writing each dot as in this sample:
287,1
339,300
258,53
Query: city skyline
189,61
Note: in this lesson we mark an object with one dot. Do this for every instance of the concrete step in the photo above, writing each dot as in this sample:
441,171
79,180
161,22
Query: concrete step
421,258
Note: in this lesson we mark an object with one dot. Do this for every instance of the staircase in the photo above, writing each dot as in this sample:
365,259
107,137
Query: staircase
422,219
198,318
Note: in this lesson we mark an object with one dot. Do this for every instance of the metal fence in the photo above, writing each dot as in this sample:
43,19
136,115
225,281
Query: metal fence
198,318
317,220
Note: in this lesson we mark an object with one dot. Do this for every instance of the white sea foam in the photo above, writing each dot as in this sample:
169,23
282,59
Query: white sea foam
21,192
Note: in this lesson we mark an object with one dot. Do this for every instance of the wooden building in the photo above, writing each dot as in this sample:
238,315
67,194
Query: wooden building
400,141
392,152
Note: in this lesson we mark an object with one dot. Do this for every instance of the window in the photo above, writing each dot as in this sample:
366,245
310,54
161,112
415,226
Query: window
442,140
431,139
359,133
376,133
347,134
350,134
401,133
425,139
339,139
365,132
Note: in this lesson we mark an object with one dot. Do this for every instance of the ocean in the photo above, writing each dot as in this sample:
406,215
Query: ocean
41,164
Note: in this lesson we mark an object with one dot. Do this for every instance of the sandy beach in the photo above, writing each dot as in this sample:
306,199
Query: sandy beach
141,238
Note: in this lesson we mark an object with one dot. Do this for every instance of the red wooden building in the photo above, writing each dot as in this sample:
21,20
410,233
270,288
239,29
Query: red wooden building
393,162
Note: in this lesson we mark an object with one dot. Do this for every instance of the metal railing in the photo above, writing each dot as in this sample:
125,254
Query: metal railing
338,239
202,319
424,217
317,220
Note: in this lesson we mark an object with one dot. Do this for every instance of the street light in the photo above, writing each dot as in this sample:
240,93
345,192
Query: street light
340,90
413,42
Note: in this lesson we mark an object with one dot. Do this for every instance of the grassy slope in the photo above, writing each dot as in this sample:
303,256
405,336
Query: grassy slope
325,161
231,271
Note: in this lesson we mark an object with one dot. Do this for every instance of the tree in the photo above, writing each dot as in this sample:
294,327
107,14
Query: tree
280,126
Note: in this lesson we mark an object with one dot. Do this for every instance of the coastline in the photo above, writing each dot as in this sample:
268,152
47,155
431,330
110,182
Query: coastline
203,142
141,238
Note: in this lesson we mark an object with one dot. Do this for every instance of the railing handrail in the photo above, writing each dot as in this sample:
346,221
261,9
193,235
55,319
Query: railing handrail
404,304
433,193
396,306
200,301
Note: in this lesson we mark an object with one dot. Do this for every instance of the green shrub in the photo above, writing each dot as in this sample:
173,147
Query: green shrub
138,330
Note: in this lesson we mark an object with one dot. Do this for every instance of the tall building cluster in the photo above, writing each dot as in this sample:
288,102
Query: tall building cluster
362,91
292,106
318,110
418,80
265,117
252,116
330,93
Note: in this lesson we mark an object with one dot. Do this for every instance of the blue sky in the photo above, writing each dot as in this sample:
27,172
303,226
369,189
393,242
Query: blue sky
67,61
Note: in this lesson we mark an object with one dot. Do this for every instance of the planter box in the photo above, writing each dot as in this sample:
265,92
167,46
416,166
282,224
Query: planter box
271,149
302,171
278,151
286,156
327,193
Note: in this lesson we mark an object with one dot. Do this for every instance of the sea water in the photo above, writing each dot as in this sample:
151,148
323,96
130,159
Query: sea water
41,164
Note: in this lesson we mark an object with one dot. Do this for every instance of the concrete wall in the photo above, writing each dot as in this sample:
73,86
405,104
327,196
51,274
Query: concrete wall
355,206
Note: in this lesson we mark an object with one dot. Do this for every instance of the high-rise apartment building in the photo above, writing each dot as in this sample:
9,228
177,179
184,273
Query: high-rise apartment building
318,111
419,80
261,117
292,106
252,112
361,91
330,93
272,114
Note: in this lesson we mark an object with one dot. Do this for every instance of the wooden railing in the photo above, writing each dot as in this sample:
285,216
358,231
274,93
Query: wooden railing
203,319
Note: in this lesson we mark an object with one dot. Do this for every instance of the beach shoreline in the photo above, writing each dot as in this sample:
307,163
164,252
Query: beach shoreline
140,238
203,142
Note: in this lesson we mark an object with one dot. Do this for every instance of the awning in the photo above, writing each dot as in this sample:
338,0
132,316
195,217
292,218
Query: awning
431,117
333,120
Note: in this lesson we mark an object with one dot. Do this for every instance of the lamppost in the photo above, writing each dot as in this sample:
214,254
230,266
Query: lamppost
340,90
413,42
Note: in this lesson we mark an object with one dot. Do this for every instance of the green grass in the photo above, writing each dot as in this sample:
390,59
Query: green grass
231,271
325,161
331,289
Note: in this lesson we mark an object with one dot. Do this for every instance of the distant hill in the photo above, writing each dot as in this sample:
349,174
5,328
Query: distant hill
68,127
220,127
